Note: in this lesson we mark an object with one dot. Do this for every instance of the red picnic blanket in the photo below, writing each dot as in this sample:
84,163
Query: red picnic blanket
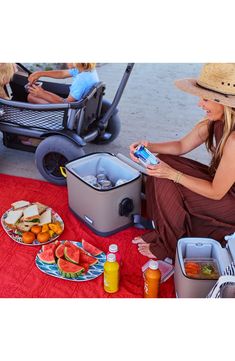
19,275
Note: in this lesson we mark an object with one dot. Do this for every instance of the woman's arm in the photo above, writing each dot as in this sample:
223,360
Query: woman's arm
192,140
57,74
223,180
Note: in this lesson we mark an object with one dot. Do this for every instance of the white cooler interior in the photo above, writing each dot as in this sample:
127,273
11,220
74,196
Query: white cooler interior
202,248
102,163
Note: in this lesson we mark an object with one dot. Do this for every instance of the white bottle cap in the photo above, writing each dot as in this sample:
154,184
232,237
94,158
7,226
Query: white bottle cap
113,248
153,264
111,257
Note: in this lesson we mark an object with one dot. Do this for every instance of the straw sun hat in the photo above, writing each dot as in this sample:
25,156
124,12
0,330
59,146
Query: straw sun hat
216,82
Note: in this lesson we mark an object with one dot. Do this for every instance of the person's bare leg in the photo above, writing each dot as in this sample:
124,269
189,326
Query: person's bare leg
35,100
146,238
138,240
143,248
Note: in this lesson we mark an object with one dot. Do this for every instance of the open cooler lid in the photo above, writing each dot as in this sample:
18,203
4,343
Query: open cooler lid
131,163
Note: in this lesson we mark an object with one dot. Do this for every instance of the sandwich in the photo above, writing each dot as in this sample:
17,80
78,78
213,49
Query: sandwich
25,226
20,204
41,207
31,214
13,217
45,217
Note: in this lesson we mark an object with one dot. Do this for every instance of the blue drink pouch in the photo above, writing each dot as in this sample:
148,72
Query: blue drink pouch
145,156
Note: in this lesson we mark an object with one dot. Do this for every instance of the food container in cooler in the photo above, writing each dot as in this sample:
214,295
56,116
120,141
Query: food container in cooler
105,211
203,251
201,268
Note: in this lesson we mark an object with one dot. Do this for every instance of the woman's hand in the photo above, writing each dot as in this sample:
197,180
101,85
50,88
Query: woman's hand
133,147
34,77
36,90
162,170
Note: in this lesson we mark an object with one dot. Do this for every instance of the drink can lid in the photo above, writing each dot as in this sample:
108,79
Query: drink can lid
113,248
101,176
111,257
105,182
153,264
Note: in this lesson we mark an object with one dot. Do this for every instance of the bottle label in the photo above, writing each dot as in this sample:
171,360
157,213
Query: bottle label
151,285
111,281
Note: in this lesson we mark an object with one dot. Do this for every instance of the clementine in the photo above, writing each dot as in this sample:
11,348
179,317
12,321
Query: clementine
43,237
36,229
28,237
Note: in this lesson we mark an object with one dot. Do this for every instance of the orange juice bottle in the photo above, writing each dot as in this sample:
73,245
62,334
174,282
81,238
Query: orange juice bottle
111,274
152,279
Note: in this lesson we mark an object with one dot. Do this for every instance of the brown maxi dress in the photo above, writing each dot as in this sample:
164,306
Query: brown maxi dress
178,212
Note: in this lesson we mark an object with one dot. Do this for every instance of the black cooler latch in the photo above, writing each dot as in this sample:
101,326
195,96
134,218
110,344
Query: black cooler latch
126,207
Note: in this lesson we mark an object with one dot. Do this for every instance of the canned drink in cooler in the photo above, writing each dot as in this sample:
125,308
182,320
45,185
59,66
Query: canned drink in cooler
100,177
90,179
145,156
98,186
105,184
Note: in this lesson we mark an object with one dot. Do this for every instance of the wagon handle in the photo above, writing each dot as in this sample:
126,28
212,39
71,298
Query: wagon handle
24,68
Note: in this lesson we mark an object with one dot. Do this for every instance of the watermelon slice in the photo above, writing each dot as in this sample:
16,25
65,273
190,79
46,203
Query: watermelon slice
71,245
81,250
52,246
72,255
85,265
47,256
68,269
85,258
94,251
59,252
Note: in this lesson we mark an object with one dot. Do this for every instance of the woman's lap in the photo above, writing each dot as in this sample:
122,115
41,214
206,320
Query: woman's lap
178,212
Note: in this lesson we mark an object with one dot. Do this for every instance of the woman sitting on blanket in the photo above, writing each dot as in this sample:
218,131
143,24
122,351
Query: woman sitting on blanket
186,198
7,71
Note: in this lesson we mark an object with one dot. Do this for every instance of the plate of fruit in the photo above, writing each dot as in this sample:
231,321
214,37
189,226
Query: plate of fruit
32,223
71,260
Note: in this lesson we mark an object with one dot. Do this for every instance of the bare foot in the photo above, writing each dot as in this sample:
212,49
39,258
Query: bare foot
138,240
145,251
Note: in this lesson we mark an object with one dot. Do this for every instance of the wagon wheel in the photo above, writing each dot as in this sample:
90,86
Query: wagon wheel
54,152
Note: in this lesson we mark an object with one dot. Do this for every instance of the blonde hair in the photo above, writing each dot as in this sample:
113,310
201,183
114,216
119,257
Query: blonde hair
7,71
229,127
85,66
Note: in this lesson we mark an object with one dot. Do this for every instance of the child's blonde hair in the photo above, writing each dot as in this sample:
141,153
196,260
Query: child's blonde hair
85,66
7,71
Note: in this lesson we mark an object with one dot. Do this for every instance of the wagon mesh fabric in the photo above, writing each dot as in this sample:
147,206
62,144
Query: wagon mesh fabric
41,119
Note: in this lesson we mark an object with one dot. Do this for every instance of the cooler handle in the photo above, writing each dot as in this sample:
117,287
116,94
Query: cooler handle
63,172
